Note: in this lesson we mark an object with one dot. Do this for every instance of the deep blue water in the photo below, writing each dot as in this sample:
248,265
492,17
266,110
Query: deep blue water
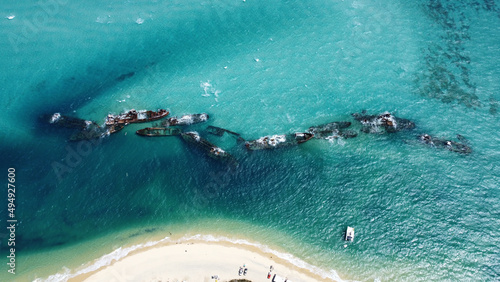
259,68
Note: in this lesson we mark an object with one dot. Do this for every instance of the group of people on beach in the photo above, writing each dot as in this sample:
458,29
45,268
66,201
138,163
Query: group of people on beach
243,270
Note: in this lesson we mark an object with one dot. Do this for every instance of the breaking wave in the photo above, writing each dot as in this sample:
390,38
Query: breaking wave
103,261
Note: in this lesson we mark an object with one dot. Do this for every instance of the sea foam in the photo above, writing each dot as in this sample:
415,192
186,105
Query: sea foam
103,261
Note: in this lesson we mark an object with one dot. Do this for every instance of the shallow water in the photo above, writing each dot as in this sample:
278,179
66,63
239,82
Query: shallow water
259,68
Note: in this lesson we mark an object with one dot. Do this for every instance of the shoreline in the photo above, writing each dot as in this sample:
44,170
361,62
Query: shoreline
187,258
195,259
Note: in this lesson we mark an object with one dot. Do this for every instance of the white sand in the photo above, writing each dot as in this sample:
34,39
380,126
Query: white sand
199,261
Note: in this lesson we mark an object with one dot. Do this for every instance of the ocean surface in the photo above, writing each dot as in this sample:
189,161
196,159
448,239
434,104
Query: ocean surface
257,68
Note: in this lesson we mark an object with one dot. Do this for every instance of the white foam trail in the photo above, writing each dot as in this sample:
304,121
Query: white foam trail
141,114
209,90
87,123
195,134
104,19
55,117
103,261
341,141
139,21
120,253
205,86
187,119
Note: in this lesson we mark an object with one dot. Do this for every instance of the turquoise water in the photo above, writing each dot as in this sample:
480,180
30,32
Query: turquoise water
259,68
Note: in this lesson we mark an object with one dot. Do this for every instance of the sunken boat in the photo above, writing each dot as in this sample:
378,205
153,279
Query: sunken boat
85,129
94,131
332,130
186,120
219,131
335,134
69,122
329,126
445,144
278,141
114,128
158,131
134,116
385,122
210,149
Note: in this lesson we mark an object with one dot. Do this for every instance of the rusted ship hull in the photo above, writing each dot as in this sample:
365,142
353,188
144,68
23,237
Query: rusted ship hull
383,122
332,130
445,144
218,131
158,131
134,116
337,125
210,149
95,131
186,120
278,141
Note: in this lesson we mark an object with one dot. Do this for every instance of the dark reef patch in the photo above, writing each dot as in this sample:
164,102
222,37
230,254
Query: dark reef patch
493,106
125,76
447,73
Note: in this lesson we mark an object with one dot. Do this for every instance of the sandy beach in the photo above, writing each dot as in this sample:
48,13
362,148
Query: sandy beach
200,261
